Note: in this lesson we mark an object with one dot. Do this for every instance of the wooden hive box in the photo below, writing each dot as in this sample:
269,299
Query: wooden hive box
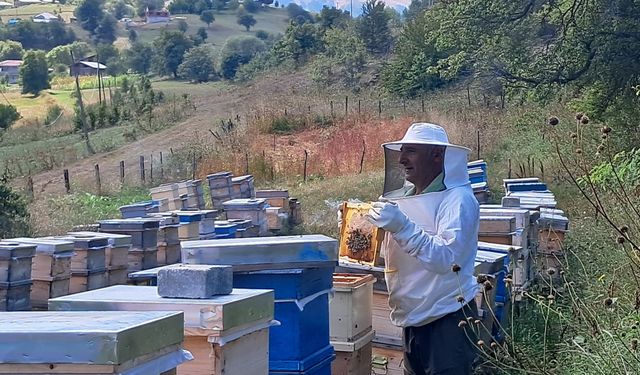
71,342
387,333
353,358
360,240
227,335
15,275
50,270
350,307
116,255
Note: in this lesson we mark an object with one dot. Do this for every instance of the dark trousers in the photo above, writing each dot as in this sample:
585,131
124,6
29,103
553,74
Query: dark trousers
441,347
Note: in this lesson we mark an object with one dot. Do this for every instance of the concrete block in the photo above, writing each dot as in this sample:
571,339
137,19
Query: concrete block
194,281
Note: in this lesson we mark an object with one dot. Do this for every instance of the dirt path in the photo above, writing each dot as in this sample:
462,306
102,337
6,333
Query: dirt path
211,107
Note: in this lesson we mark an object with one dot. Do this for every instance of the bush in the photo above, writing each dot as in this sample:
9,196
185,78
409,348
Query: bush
53,113
261,34
8,115
13,212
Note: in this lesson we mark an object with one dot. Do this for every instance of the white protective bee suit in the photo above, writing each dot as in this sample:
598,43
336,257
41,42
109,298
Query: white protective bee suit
427,234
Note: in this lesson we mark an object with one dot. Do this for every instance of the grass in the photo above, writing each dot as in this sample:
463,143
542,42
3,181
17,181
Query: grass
28,11
271,20
58,215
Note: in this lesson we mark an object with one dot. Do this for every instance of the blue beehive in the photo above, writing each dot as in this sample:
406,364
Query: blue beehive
321,368
139,209
527,186
477,175
225,229
302,308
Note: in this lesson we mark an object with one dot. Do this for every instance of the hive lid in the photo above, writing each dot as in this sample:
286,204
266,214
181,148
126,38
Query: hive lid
96,338
44,245
245,204
257,253
134,224
14,249
85,241
216,314
115,239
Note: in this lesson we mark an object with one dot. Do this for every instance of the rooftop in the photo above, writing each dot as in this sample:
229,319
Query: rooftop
15,63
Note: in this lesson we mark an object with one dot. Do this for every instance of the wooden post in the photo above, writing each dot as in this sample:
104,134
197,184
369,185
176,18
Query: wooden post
122,172
346,105
274,142
359,103
193,167
304,175
142,177
468,95
30,187
423,104
98,183
364,150
67,184
151,169
379,107
509,173
478,133
331,104
161,167
246,165
174,106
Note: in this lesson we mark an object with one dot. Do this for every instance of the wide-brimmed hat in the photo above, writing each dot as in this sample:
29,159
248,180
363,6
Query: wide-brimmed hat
424,133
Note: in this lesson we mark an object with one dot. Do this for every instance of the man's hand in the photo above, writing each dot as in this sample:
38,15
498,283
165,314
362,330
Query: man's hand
387,215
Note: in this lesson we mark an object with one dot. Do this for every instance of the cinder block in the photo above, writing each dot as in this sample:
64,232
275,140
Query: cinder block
194,281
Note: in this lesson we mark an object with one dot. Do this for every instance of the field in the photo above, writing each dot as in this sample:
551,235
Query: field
271,20
28,11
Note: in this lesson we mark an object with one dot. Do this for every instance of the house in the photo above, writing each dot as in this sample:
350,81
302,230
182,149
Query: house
45,18
10,70
4,4
86,68
157,16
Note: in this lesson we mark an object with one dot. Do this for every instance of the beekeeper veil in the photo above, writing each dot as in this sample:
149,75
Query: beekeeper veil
455,159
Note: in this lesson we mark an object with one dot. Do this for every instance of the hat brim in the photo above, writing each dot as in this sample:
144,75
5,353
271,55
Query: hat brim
398,144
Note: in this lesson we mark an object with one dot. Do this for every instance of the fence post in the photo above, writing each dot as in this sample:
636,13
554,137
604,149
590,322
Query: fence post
364,150
67,184
379,107
509,174
346,105
161,167
122,172
331,104
193,167
98,183
359,106
423,104
246,165
151,169
306,156
142,177
478,132
30,187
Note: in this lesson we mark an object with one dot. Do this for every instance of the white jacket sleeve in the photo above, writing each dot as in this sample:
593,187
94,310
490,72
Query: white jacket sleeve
455,238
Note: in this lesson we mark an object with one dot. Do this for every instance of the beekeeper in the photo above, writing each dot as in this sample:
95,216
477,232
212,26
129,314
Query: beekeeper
431,217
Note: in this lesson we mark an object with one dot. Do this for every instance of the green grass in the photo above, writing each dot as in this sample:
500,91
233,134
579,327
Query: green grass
61,214
271,20
29,11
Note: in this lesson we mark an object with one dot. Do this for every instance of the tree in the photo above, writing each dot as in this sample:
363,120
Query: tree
298,43
219,5
139,57
10,50
343,60
237,51
106,31
62,54
89,13
246,20
373,27
331,18
197,64
298,14
143,5
43,36
207,17
8,115
251,6
202,34
133,35
121,9
183,26
170,49
34,72
14,216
